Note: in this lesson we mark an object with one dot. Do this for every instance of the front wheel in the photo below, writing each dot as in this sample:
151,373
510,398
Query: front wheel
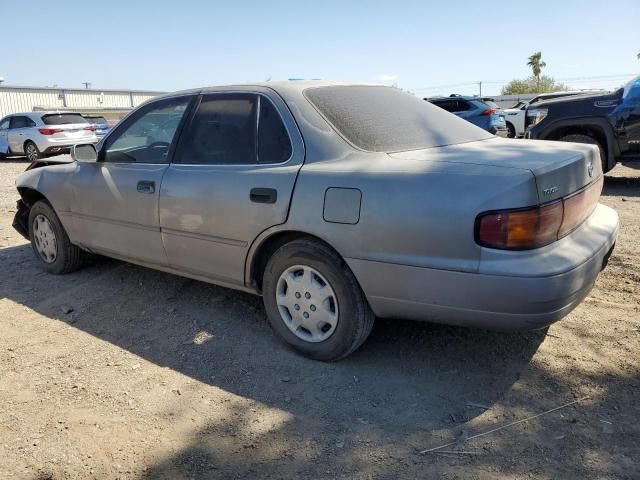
511,130
314,302
51,243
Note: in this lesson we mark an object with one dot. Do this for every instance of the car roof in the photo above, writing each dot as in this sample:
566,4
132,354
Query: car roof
40,113
281,86
460,97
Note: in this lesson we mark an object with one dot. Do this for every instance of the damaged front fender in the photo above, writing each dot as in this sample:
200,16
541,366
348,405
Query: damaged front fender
21,219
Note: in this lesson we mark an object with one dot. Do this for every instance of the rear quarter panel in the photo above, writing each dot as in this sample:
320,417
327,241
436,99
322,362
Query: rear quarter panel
412,212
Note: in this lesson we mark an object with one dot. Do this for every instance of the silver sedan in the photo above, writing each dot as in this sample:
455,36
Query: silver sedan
338,203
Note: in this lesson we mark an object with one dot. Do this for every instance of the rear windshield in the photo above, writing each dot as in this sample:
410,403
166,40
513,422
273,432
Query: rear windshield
386,119
98,120
63,118
492,104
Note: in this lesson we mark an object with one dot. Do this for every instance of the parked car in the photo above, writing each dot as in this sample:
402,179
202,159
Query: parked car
481,112
515,116
609,120
38,134
99,123
337,203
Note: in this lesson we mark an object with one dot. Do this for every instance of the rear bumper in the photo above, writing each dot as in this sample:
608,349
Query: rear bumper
535,289
499,131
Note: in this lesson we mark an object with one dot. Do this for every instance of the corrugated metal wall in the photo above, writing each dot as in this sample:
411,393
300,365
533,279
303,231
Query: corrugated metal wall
27,99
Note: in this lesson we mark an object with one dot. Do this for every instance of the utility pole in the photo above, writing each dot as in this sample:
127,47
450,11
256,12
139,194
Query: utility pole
86,85
480,87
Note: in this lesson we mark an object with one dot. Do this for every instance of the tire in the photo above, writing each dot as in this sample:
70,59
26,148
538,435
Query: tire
31,151
580,138
512,130
347,308
50,242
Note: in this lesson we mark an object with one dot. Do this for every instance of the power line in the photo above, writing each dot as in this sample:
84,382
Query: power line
567,79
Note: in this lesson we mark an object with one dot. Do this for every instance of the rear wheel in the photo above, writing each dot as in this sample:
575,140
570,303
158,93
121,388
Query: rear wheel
31,151
581,138
314,302
51,243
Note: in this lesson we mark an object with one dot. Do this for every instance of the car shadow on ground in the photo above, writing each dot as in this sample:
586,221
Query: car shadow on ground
621,186
407,379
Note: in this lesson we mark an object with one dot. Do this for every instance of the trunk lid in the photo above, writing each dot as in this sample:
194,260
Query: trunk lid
559,168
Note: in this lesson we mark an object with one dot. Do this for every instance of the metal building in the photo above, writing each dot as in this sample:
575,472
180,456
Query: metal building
112,104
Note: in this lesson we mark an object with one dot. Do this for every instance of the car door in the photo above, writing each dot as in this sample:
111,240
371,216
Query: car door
628,114
232,177
115,200
17,134
4,137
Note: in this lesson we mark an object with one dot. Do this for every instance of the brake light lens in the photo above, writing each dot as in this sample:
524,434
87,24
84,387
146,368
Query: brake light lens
535,227
90,128
49,131
489,111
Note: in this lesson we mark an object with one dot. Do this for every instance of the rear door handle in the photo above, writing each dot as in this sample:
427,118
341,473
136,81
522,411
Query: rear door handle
263,195
146,186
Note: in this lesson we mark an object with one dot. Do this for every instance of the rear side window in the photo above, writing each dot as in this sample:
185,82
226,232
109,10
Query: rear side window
21,122
274,145
386,119
63,118
235,128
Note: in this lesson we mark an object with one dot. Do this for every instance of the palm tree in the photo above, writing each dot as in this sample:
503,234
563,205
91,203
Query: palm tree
536,64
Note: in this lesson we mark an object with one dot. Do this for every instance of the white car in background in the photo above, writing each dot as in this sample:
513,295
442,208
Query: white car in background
39,134
516,115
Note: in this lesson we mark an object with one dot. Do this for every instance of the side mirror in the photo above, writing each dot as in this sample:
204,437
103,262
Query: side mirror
84,153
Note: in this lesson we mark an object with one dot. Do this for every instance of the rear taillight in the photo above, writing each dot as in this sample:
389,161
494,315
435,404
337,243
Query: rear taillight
535,227
91,128
489,111
49,131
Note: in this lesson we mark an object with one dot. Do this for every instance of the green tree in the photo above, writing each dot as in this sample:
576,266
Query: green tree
536,64
542,84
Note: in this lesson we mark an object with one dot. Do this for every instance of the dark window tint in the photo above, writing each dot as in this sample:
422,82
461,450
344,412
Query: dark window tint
386,119
223,131
452,105
96,120
63,118
274,145
21,122
147,136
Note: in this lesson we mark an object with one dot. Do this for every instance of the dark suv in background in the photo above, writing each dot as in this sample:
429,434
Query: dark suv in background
480,111
610,120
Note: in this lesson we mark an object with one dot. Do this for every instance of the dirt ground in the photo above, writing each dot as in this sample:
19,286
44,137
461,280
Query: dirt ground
118,371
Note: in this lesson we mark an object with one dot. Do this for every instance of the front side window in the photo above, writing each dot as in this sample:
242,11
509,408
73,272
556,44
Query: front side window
4,124
147,137
235,128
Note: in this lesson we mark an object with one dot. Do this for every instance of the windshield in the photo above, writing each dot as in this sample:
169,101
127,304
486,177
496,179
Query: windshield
633,88
386,119
63,118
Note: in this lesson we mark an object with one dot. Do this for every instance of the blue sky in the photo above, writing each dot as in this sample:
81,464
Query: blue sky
170,45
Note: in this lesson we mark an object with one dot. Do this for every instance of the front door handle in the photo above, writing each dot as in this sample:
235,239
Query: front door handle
146,186
263,195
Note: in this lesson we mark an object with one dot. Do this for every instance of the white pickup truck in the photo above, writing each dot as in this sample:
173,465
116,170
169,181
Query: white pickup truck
515,116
